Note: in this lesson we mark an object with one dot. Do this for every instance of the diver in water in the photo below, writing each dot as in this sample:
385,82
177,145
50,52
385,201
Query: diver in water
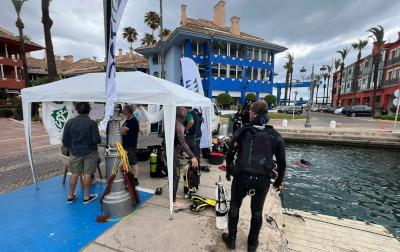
250,161
302,163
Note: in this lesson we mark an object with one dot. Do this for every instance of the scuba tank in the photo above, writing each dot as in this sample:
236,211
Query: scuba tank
153,165
221,208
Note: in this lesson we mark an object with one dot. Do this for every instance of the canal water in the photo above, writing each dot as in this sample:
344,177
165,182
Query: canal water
349,182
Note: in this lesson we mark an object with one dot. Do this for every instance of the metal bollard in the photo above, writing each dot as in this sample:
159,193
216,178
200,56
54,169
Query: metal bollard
284,123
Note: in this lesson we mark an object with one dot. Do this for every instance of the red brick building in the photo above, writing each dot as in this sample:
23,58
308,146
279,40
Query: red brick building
388,79
11,66
391,76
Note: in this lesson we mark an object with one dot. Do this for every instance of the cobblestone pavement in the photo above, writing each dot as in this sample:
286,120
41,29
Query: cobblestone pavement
15,170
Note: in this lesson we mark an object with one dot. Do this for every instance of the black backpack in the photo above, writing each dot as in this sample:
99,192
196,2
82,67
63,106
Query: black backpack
195,131
255,153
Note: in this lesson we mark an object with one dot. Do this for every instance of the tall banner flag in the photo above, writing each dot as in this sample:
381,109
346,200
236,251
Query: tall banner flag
192,81
117,8
54,118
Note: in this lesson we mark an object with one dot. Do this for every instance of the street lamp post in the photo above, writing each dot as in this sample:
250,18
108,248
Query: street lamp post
310,100
162,58
295,98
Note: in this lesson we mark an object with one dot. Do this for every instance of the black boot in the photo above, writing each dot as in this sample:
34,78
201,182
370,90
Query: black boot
252,244
230,241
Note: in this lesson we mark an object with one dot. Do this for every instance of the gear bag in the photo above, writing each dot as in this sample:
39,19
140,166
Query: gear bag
254,155
191,180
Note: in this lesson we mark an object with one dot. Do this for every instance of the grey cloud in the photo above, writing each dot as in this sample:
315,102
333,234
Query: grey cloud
313,29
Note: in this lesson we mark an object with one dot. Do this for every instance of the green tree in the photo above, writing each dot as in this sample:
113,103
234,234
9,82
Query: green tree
224,99
377,34
336,65
148,39
270,99
329,72
47,24
343,54
251,97
3,94
152,19
130,34
360,45
20,25
289,71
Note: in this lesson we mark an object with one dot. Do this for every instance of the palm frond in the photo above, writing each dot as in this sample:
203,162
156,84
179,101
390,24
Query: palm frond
18,5
337,64
377,34
344,52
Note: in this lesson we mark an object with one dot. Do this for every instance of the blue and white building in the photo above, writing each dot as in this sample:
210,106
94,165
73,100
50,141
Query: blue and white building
228,60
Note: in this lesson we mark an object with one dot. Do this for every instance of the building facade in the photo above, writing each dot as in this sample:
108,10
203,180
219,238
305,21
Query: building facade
228,60
11,65
388,79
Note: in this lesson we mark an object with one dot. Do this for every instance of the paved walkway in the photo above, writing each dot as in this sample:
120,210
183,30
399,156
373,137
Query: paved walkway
15,170
150,229
12,136
320,120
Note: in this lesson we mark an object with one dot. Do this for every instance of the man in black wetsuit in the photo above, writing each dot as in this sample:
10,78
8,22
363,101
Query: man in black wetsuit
254,146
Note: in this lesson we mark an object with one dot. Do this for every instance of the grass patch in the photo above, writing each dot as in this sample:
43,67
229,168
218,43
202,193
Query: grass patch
285,116
386,117
225,116
278,116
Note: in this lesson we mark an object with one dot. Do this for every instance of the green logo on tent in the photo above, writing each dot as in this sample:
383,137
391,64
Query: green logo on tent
59,117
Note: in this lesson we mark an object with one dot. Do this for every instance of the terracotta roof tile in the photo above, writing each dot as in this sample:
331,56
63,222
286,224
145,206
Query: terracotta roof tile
8,35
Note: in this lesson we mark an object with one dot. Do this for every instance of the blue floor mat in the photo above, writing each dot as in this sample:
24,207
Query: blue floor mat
42,220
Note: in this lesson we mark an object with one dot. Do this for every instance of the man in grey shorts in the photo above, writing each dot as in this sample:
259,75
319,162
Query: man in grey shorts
81,136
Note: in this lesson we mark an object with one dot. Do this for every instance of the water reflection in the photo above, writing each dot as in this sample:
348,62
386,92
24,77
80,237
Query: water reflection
349,182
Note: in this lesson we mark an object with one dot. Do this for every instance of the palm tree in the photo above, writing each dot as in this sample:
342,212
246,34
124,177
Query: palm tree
148,39
152,19
130,34
329,69
360,45
289,70
291,59
343,54
47,23
377,34
336,64
325,76
316,85
20,25
166,33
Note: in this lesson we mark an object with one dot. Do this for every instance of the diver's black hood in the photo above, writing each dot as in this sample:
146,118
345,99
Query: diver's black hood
260,120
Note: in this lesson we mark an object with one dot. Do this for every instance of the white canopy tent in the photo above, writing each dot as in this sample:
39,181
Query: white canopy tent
132,87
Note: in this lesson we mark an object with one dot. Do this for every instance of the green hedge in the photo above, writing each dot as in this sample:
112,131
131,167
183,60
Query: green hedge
224,99
270,99
6,112
386,117
251,97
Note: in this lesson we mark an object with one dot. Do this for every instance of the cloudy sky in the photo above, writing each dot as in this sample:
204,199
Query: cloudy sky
311,29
